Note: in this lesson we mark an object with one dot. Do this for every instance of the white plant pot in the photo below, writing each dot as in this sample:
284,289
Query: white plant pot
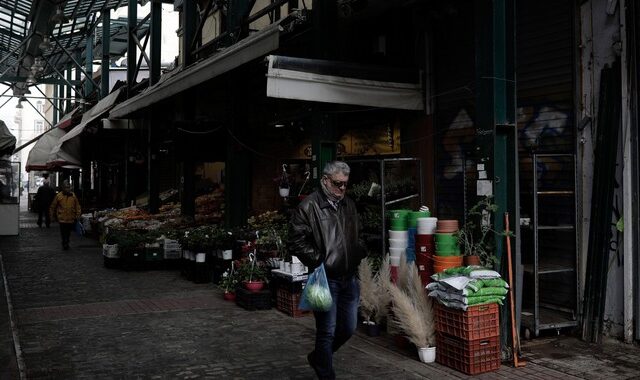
283,191
427,354
227,254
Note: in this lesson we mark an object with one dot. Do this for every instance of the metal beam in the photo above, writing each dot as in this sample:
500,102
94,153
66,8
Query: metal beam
132,52
106,59
41,115
77,64
156,42
89,83
55,96
69,83
189,13
14,79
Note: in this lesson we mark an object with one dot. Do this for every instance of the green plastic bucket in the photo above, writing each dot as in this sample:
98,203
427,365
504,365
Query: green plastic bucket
448,239
398,225
400,214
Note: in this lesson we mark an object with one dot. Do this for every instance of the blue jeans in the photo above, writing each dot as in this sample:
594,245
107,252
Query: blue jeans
335,327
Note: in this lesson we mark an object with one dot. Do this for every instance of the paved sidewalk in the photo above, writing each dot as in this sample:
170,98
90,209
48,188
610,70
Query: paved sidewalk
77,319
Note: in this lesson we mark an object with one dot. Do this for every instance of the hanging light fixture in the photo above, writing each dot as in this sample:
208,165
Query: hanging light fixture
45,44
38,65
31,79
59,17
19,106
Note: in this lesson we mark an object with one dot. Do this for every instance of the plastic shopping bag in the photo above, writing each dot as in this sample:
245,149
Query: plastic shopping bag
78,228
316,295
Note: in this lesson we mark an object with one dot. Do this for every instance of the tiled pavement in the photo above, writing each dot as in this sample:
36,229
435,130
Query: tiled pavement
76,319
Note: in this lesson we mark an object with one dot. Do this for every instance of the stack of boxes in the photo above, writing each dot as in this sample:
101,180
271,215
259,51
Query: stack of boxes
468,341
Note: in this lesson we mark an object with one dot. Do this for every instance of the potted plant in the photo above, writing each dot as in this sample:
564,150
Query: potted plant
413,311
283,182
374,294
229,283
271,231
252,274
476,236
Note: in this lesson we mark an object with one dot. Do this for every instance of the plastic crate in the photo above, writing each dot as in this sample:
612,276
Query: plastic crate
288,285
468,356
253,300
478,322
288,303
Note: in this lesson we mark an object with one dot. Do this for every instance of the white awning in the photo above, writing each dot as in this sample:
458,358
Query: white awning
254,46
343,83
39,154
66,152
7,140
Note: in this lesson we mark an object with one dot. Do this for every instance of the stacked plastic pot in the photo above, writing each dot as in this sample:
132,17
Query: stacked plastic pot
425,247
398,238
447,254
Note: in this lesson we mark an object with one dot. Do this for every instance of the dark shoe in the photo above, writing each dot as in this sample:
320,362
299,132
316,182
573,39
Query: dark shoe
312,363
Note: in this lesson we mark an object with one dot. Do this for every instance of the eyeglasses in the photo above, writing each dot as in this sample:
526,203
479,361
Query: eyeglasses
339,184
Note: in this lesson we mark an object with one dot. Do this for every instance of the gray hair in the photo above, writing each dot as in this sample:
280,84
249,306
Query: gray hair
333,167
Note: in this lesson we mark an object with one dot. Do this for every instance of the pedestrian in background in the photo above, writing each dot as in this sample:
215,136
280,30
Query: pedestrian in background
43,199
325,229
65,208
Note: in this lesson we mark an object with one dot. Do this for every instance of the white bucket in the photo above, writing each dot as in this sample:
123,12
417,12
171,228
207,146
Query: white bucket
398,243
227,254
201,257
394,261
283,191
396,252
398,234
427,354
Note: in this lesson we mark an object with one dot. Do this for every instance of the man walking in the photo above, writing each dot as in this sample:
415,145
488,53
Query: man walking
43,199
66,209
325,229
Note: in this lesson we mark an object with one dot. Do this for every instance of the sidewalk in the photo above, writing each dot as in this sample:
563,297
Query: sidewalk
77,319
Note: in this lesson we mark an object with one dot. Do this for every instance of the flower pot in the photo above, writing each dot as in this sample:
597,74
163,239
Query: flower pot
427,354
472,260
229,296
372,329
283,191
253,286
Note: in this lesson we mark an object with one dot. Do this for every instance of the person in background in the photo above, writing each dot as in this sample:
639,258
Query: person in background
43,199
65,208
325,229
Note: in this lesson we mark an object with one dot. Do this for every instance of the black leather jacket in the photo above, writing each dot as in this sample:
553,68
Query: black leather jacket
319,233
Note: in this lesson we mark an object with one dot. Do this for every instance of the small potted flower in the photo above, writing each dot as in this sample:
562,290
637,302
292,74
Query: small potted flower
283,182
252,274
229,283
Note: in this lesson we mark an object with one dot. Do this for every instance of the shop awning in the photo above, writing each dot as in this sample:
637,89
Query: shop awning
39,154
256,45
69,119
343,83
66,152
7,140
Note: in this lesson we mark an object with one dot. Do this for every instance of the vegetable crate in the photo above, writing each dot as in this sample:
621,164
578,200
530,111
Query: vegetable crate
468,356
249,300
478,322
287,302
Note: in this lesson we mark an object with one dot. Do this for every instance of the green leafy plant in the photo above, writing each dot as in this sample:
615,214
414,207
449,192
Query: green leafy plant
476,236
230,280
251,270
272,231
125,239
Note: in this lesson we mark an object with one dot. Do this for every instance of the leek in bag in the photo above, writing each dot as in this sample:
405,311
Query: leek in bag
316,295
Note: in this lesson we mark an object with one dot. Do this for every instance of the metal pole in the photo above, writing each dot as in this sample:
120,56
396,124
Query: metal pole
41,115
106,50
89,84
156,42
45,97
132,52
